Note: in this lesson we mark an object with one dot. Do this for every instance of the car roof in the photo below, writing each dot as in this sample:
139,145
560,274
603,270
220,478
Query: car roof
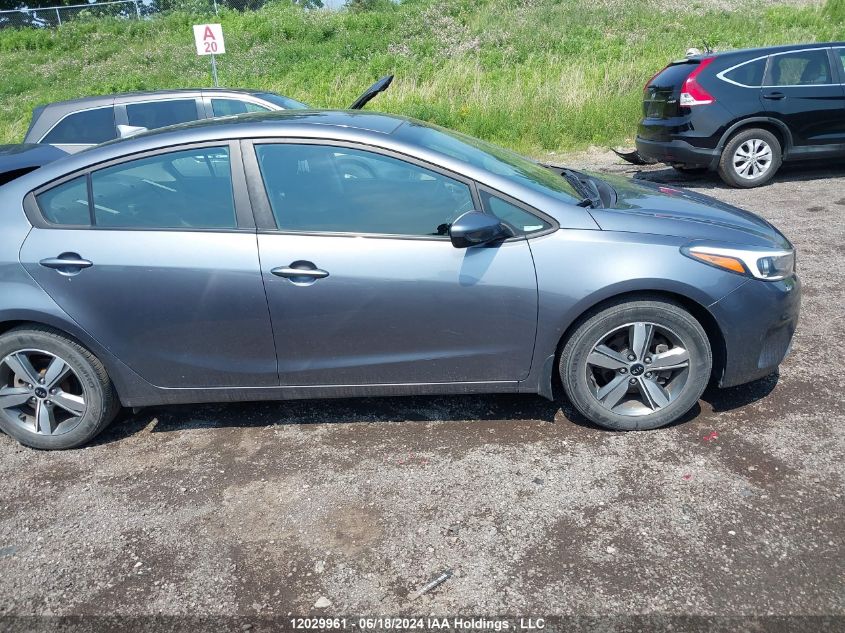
109,98
768,50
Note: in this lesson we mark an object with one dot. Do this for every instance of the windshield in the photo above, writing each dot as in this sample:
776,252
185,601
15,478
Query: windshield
489,157
283,102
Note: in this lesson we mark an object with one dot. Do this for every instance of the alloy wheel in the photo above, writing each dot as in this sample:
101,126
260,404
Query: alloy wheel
638,368
41,393
752,159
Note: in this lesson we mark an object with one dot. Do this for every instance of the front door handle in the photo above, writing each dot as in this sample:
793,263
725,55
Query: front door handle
774,96
300,270
66,263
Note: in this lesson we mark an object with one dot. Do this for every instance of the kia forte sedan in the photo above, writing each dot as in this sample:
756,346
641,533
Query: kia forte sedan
316,254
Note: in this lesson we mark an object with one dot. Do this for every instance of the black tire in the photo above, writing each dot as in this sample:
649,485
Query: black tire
727,169
690,170
656,310
101,401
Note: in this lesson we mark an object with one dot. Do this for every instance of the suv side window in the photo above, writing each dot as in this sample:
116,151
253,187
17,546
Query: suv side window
517,219
802,68
748,74
190,189
319,188
85,127
228,107
840,53
154,114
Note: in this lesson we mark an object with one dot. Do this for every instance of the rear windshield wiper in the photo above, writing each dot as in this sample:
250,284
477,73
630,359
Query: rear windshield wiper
585,187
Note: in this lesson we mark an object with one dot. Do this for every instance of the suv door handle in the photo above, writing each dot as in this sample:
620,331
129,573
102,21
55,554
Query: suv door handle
774,96
300,269
66,263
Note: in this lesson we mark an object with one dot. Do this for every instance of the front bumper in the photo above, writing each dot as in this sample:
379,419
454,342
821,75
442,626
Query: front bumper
757,321
677,152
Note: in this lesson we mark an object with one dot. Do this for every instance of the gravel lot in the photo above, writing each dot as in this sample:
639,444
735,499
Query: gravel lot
259,510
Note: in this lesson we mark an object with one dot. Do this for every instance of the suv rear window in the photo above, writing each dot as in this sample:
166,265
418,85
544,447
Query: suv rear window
154,114
801,68
748,74
85,127
673,75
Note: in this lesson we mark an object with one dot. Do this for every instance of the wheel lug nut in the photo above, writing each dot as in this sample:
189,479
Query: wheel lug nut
41,380
631,357
52,392
622,370
648,374
633,381
648,359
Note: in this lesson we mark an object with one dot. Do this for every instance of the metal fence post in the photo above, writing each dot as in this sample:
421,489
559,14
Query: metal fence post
137,9
58,16
215,8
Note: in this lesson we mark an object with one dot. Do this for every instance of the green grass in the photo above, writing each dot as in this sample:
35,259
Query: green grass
535,75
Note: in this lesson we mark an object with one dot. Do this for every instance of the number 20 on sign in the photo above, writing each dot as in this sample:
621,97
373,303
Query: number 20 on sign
209,41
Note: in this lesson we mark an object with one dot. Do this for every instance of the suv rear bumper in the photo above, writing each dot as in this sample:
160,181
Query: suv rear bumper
677,152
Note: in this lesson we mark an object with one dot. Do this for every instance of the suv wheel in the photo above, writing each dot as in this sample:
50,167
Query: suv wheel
54,394
636,365
750,158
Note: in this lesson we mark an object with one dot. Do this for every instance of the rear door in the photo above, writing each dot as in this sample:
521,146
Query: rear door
363,283
156,113
163,269
802,89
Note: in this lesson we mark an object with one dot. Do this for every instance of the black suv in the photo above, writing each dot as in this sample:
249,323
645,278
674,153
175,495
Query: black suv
744,112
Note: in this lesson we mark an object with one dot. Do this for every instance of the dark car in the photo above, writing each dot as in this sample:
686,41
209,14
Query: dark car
743,112
313,254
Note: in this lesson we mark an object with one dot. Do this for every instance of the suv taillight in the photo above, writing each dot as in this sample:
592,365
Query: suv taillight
692,94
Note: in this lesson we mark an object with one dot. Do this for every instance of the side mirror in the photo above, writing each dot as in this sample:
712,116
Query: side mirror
125,131
476,229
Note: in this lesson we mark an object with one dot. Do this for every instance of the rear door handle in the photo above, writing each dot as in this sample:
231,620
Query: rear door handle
774,96
66,263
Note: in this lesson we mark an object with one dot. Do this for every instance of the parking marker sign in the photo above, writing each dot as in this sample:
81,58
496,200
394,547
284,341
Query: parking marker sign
209,41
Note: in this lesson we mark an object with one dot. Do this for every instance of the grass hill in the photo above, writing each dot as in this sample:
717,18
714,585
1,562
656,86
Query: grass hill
535,75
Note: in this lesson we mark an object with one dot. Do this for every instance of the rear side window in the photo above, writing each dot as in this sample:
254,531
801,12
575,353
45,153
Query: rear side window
516,218
154,114
229,107
840,54
802,68
748,74
190,189
85,127
66,203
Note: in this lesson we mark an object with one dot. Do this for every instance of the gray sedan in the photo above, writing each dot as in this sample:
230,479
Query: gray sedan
313,254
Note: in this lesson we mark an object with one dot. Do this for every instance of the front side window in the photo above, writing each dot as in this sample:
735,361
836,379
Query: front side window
319,188
189,189
154,114
749,74
86,128
67,203
519,220
229,107
802,68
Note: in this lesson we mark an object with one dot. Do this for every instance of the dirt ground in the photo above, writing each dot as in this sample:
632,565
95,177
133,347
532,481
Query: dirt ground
260,510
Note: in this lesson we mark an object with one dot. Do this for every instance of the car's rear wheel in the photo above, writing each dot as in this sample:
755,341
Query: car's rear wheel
54,393
637,364
750,158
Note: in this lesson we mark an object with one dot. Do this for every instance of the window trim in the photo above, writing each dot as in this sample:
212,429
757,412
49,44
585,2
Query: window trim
553,224
838,62
265,220
240,196
74,112
768,57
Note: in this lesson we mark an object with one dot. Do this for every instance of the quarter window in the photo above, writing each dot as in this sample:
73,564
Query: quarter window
86,127
802,68
335,189
154,114
841,55
228,107
191,189
519,220
66,203
749,74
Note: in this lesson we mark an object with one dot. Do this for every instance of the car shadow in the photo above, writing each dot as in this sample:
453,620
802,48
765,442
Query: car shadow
415,409
790,172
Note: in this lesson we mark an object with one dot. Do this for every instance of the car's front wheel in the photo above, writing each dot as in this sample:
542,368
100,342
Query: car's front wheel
54,393
751,158
636,364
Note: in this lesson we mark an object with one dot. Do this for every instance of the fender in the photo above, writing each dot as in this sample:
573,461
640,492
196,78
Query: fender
787,135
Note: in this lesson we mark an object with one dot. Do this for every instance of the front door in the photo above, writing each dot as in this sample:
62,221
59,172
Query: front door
161,271
365,287
802,90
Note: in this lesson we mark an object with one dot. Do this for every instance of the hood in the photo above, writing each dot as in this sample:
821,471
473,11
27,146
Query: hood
647,207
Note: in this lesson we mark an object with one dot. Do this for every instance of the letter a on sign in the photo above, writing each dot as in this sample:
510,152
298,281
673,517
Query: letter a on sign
209,39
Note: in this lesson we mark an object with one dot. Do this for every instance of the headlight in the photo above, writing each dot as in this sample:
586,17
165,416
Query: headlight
771,265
